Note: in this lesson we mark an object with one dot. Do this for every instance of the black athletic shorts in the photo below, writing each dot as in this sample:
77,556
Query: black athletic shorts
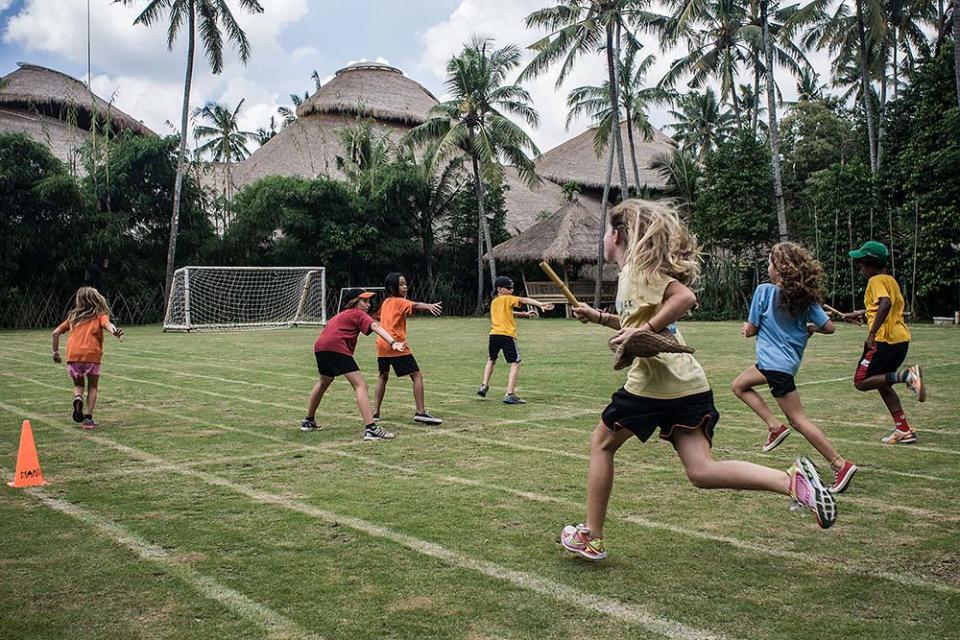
333,364
643,415
780,383
507,344
882,358
402,365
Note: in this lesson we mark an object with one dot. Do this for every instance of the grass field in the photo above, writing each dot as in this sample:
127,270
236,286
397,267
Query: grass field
198,509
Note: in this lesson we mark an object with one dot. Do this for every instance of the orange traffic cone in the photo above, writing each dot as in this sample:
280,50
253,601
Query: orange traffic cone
28,472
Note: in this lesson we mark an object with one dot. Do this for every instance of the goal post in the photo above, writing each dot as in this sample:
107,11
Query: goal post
243,298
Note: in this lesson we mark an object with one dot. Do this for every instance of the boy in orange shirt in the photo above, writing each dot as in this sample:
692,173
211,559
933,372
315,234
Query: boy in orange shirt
393,318
503,336
887,342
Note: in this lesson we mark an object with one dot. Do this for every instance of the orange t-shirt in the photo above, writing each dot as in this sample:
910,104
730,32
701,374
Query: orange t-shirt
85,343
393,318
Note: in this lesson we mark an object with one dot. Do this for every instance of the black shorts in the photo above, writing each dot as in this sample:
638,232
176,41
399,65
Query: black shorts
882,358
780,383
507,344
643,415
333,364
402,365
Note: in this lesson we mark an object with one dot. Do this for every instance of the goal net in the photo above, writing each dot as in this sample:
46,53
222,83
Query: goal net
240,298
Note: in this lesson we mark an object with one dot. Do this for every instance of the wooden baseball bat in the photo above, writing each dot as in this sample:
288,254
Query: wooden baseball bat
838,314
572,299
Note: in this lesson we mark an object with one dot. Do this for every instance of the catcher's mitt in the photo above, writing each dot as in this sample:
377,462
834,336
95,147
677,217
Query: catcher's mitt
644,344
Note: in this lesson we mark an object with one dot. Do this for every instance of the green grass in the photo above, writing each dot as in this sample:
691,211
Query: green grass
198,509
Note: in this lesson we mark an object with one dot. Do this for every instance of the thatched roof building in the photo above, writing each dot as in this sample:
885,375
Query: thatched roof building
568,236
576,161
56,109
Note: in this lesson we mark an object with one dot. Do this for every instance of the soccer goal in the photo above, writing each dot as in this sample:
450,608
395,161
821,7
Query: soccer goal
242,298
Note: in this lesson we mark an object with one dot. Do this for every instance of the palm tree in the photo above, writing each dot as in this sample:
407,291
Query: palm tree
701,122
682,173
289,114
224,140
956,46
367,154
263,135
212,15
752,107
809,86
475,120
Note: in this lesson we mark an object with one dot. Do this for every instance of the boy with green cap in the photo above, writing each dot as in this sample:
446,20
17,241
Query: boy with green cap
887,341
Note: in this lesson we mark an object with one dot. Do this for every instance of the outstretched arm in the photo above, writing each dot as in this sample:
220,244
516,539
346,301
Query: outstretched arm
434,308
545,306
396,345
115,330
586,314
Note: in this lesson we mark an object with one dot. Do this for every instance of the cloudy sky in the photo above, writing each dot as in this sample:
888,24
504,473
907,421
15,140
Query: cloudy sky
290,40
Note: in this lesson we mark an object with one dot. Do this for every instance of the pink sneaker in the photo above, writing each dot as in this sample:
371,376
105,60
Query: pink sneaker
807,489
842,477
774,438
576,539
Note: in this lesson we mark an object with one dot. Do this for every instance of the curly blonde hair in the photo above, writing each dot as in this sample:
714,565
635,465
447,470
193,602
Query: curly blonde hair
87,304
658,242
800,277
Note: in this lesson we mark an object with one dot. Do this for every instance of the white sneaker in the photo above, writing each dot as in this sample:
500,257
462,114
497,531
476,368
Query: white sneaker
376,432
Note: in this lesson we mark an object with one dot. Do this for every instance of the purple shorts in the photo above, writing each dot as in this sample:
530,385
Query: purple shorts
81,369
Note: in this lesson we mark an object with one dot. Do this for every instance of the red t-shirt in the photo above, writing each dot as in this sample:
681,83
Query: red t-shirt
340,334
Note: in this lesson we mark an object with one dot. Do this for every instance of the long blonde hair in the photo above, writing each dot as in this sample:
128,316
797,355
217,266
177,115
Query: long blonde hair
87,304
658,242
800,277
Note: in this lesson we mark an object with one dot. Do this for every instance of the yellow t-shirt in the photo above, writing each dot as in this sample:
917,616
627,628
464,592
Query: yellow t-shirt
666,375
501,316
893,329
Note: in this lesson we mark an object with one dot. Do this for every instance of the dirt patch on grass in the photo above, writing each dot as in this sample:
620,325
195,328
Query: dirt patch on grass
419,603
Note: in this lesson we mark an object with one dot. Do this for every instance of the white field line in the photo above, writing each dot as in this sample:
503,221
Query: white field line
276,625
564,594
906,579
747,414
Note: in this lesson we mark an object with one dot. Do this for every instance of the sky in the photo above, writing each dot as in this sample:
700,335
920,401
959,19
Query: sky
132,66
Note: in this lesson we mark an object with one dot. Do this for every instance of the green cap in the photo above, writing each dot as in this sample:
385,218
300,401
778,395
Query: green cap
871,249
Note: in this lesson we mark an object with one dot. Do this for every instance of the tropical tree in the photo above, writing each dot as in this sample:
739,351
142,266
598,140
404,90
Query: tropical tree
225,142
264,134
475,120
682,172
208,17
809,86
701,122
289,114
956,47
367,153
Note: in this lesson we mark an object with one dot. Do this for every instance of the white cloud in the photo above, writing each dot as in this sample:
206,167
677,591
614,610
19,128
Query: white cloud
4,4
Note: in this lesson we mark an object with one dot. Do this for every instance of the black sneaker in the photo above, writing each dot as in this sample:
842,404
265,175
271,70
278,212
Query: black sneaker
376,432
426,418
78,409
511,398
309,425
482,391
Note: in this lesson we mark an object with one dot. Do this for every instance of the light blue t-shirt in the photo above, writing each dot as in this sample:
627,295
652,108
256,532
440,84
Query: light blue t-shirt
782,337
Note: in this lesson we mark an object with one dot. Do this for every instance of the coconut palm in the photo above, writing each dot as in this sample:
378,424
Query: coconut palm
208,17
475,120
225,142
682,172
289,114
264,134
906,35
367,153
956,46
701,122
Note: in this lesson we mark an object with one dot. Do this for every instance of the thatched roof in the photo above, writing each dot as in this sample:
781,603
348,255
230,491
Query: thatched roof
576,161
62,139
525,205
569,235
40,91
374,90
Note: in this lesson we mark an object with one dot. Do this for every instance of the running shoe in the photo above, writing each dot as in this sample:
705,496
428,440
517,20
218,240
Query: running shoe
482,391
309,425
774,438
842,477
88,424
512,398
915,382
807,489
576,539
426,418
899,436
376,432
78,408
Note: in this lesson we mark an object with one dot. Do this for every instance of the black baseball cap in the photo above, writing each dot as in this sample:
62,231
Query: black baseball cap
350,294
503,282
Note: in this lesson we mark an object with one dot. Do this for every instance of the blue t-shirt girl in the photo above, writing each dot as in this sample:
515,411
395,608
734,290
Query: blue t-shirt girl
781,337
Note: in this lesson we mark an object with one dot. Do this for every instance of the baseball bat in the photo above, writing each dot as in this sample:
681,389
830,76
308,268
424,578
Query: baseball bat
838,314
572,299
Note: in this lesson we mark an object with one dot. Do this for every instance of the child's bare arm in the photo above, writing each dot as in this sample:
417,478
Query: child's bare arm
115,330
396,345
546,306
749,330
55,340
826,329
678,299
585,313
434,308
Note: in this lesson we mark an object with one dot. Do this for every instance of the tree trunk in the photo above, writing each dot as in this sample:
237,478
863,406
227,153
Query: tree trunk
956,46
755,115
483,224
181,159
736,106
773,134
604,203
865,89
613,58
633,148
479,310
896,74
881,115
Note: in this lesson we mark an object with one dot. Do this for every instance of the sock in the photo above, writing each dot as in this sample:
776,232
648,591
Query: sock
88,416
310,418
895,377
900,421
372,426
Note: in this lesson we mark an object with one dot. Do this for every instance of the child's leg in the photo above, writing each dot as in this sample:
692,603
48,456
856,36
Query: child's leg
793,409
487,372
93,384
78,386
380,389
417,378
603,445
743,386
355,378
512,378
706,473
317,395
